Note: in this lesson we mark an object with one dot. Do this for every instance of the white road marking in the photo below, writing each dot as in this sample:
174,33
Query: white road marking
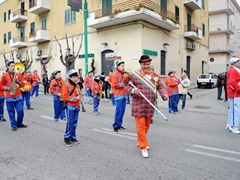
50,118
215,149
122,132
213,155
115,134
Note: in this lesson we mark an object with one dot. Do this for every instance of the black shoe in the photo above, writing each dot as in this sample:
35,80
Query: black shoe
115,130
74,141
122,128
67,142
14,128
151,121
182,107
220,99
225,100
191,96
22,126
3,119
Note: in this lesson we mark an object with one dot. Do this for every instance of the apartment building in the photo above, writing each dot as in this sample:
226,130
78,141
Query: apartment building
224,34
174,33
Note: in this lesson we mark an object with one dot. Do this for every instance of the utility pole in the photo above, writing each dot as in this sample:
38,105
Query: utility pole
86,35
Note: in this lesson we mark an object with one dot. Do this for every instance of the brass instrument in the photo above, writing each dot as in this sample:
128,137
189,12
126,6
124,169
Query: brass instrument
61,91
100,92
18,68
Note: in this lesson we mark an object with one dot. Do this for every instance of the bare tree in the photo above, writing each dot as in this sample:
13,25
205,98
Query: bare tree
69,58
28,60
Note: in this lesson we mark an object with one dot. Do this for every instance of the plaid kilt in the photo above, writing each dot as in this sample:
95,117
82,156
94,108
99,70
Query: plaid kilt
140,107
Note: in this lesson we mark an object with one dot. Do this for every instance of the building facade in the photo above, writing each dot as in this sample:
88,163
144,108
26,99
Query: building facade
224,36
174,33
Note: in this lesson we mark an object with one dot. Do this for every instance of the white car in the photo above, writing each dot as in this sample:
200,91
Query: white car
207,80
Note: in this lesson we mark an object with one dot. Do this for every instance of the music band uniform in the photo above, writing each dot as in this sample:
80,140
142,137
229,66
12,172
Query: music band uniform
35,83
2,99
27,88
96,88
55,89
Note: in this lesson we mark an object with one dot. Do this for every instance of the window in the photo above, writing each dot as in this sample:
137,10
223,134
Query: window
32,27
44,23
106,7
177,13
203,5
4,17
9,12
9,36
164,4
163,63
70,17
5,38
203,29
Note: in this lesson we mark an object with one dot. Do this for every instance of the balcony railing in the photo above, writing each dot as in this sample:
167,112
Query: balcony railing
191,27
20,12
19,39
136,5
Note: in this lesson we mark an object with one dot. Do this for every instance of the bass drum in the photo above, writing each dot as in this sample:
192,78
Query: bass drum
27,87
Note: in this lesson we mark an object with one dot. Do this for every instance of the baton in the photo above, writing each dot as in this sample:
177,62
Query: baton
150,103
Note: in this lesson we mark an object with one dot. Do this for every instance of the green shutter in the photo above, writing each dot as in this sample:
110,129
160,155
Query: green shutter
203,29
106,7
177,13
44,23
32,27
203,5
5,17
164,4
9,36
5,38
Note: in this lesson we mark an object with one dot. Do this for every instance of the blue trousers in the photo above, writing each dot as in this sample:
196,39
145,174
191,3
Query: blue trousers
89,92
58,111
183,99
113,99
26,96
96,102
173,103
119,112
72,120
35,89
11,106
2,108
234,111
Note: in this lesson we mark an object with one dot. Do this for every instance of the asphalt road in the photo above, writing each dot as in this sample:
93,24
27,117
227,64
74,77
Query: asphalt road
191,145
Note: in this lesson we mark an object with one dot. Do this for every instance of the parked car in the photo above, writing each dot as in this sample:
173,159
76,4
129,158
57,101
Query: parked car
207,80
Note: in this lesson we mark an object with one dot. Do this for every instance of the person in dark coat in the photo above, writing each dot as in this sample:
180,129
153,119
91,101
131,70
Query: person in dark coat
45,84
220,84
104,86
80,82
225,86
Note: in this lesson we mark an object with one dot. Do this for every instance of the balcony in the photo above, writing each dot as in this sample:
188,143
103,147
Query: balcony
192,32
227,48
39,6
18,42
130,11
193,4
223,28
39,36
19,15
221,6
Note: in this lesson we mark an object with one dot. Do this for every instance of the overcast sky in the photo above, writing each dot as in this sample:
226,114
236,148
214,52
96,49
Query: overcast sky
238,1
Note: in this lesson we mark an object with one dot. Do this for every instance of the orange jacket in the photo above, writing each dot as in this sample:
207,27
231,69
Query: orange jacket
56,86
95,87
6,82
2,95
35,79
117,84
87,82
71,99
172,85
109,79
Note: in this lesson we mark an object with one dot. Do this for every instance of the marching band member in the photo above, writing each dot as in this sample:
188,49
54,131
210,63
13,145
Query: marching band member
172,86
13,101
88,82
35,84
120,96
96,88
148,83
2,99
56,90
110,82
26,89
72,95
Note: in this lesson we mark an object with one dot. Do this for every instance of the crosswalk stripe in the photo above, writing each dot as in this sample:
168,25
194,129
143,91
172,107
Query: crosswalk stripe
122,132
215,149
115,134
213,155
50,118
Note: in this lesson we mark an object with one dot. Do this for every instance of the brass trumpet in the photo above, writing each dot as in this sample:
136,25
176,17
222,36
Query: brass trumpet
18,68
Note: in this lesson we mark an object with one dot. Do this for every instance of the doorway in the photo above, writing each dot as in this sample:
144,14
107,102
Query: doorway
188,66
106,64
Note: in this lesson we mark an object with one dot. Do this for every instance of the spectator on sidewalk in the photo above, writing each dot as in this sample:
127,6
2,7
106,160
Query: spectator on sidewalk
220,84
188,93
183,88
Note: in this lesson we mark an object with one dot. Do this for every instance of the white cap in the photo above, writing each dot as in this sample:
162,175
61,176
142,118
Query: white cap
233,60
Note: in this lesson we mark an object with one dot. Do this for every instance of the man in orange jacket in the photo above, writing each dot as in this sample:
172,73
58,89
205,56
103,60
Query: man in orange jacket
13,99
2,99
35,84
96,87
120,96
72,95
